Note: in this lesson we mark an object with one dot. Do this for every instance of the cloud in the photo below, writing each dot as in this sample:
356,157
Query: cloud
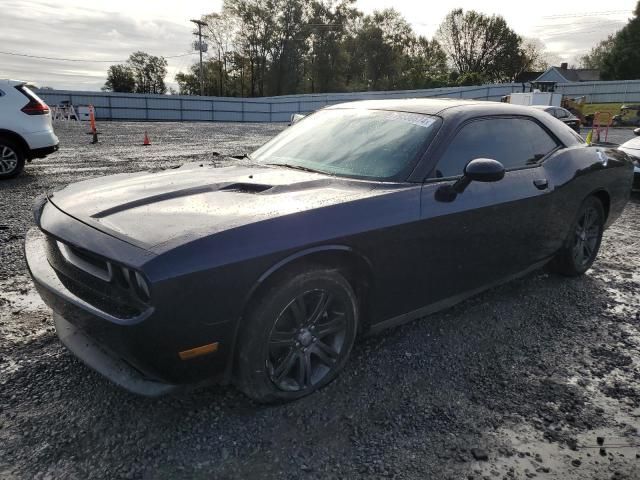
43,29
570,38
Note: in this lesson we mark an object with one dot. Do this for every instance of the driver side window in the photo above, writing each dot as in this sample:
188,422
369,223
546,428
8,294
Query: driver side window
515,142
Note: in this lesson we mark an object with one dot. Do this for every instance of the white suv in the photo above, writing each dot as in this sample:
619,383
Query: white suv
26,131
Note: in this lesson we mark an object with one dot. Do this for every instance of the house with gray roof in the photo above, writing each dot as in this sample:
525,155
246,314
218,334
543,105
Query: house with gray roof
563,74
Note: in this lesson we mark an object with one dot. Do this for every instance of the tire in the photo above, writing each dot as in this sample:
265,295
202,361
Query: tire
11,159
297,337
583,243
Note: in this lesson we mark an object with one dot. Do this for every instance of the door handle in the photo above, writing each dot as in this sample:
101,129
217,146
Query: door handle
541,183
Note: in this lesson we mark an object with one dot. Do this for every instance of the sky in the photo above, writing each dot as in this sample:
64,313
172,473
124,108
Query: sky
99,33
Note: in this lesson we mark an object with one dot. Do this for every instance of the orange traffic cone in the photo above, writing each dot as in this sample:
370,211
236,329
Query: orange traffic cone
146,139
92,123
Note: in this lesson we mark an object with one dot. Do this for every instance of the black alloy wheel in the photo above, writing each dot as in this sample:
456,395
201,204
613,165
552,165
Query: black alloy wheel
581,248
297,336
587,237
307,340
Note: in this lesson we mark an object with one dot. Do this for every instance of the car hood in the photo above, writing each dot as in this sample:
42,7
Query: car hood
633,144
632,148
157,210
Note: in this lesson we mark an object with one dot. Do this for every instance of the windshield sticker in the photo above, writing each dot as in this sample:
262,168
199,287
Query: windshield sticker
412,118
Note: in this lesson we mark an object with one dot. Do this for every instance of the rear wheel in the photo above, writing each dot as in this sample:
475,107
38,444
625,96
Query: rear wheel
581,248
298,337
11,158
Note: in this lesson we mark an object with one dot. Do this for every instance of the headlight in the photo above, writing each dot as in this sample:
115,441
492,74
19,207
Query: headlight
143,288
130,278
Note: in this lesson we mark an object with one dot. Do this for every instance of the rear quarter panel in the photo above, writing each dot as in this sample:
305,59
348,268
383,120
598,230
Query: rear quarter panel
578,172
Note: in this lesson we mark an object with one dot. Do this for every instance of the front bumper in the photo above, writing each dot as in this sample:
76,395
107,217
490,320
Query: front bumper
105,362
140,353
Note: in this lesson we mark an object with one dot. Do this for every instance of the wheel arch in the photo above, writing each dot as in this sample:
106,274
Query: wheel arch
356,268
16,137
605,199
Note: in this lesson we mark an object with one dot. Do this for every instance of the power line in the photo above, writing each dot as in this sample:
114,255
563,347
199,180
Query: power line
592,14
80,59
576,32
551,17
544,25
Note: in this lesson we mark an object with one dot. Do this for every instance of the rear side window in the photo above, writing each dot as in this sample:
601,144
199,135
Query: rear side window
30,94
562,113
515,142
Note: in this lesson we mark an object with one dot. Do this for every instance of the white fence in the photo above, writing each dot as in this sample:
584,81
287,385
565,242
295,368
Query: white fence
139,107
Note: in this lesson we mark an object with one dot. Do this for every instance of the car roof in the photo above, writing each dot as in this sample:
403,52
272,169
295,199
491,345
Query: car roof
544,107
440,106
426,106
454,111
12,83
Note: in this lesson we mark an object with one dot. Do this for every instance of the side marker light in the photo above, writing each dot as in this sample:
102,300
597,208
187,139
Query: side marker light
198,351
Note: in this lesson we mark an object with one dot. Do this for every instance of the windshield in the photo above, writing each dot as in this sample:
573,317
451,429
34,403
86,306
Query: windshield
352,142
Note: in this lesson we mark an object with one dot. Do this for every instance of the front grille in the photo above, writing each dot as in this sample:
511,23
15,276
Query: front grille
94,280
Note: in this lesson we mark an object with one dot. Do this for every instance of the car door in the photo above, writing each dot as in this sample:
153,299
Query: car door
491,230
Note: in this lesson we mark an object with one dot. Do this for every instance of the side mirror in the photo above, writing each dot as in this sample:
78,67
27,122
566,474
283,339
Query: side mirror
637,131
295,118
484,170
477,170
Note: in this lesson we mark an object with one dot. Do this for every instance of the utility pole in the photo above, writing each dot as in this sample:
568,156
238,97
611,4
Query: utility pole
201,47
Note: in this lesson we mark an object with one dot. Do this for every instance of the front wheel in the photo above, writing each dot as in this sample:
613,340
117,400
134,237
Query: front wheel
297,337
11,159
581,248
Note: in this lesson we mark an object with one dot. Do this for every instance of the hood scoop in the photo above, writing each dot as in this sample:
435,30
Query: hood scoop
246,188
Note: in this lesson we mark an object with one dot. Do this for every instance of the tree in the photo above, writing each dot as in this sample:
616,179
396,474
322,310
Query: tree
471,78
477,43
622,62
275,47
189,83
220,31
149,72
425,65
383,42
535,56
326,59
595,58
143,73
255,37
120,79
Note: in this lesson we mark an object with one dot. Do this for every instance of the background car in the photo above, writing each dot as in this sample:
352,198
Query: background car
632,148
359,217
26,130
629,116
561,114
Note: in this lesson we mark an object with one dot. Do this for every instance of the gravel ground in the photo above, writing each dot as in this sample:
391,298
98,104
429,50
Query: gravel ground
537,378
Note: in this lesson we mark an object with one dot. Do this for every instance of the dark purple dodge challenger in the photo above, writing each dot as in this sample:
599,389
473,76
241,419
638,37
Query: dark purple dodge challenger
359,217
